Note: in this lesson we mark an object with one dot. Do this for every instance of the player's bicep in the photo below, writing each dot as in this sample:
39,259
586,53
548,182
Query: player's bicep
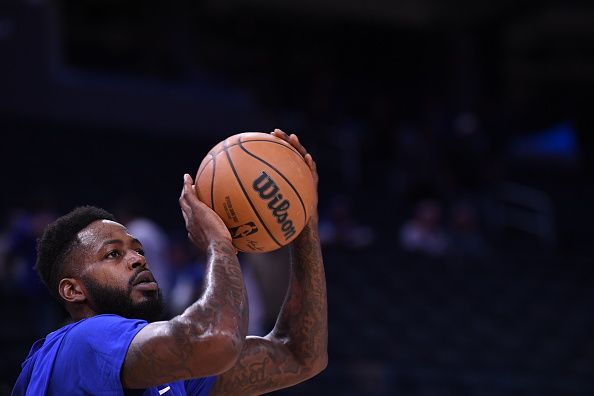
156,356
170,351
265,364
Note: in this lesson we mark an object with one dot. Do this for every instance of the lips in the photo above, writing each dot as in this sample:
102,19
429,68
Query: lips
144,277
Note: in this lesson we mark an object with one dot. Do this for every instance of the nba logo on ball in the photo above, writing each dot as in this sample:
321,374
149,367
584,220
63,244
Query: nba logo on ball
260,186
243,230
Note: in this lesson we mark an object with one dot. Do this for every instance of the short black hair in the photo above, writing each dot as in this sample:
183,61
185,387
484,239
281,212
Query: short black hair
58,241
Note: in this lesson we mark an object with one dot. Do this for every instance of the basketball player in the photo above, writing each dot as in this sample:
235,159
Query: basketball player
114,345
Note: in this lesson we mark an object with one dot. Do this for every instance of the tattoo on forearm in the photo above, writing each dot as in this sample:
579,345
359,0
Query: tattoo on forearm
225,293
304,318
253,374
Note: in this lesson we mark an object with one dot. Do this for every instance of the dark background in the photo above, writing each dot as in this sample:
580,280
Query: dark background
483,104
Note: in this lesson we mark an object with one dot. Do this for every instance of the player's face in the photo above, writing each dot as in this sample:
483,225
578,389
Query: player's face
115,274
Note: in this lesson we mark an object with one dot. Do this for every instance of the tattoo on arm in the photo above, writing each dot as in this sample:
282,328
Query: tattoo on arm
296,349
303,318
224,294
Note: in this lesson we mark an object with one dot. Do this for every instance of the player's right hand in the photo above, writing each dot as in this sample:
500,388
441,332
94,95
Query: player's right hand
204,226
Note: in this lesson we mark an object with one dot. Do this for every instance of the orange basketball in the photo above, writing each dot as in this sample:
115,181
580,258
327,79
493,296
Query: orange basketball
260,186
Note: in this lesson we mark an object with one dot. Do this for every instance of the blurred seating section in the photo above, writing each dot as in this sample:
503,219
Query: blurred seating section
453,141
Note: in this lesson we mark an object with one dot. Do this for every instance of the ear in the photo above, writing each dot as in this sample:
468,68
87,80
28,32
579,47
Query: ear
71,290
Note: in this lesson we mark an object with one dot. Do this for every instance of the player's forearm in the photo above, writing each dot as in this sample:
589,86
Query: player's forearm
303,319
223,306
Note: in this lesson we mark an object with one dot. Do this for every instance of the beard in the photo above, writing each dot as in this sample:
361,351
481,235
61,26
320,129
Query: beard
112,300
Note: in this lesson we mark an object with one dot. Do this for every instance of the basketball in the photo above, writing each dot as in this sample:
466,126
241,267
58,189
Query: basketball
260,186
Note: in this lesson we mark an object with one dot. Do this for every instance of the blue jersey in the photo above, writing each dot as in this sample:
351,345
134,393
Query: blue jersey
86,357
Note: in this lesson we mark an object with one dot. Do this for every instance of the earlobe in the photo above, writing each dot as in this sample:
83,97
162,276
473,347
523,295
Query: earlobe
71,290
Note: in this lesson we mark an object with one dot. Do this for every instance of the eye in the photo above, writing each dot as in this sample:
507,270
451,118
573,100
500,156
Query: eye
140,251
113,254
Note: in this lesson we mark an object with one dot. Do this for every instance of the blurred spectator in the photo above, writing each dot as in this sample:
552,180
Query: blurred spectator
20,243
270,272
466,239
424,233
19,276
340,228
257,323
186,275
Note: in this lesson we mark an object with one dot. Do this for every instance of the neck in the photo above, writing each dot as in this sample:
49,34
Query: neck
78,312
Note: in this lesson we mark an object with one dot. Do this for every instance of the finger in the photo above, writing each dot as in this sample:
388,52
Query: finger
186,193
280,134
294,140
183,192
185,208
188,182
310,162
190,193
186,211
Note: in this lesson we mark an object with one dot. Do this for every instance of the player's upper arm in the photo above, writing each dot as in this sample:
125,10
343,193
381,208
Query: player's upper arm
175,350
265,364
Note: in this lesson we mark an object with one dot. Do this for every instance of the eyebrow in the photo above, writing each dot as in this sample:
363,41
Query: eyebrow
109,242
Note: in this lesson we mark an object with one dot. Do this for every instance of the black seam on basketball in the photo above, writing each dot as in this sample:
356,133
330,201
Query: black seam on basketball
268,141
225,148
280,174
214,167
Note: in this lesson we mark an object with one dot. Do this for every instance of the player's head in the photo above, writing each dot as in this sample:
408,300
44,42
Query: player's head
91,263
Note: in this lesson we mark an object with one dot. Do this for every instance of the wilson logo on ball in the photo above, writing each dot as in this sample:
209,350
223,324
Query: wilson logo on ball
268,190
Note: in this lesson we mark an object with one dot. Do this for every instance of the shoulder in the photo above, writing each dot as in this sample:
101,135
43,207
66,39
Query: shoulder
100,325
92,353
102,333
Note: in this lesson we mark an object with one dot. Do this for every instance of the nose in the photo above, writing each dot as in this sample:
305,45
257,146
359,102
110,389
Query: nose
135,260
